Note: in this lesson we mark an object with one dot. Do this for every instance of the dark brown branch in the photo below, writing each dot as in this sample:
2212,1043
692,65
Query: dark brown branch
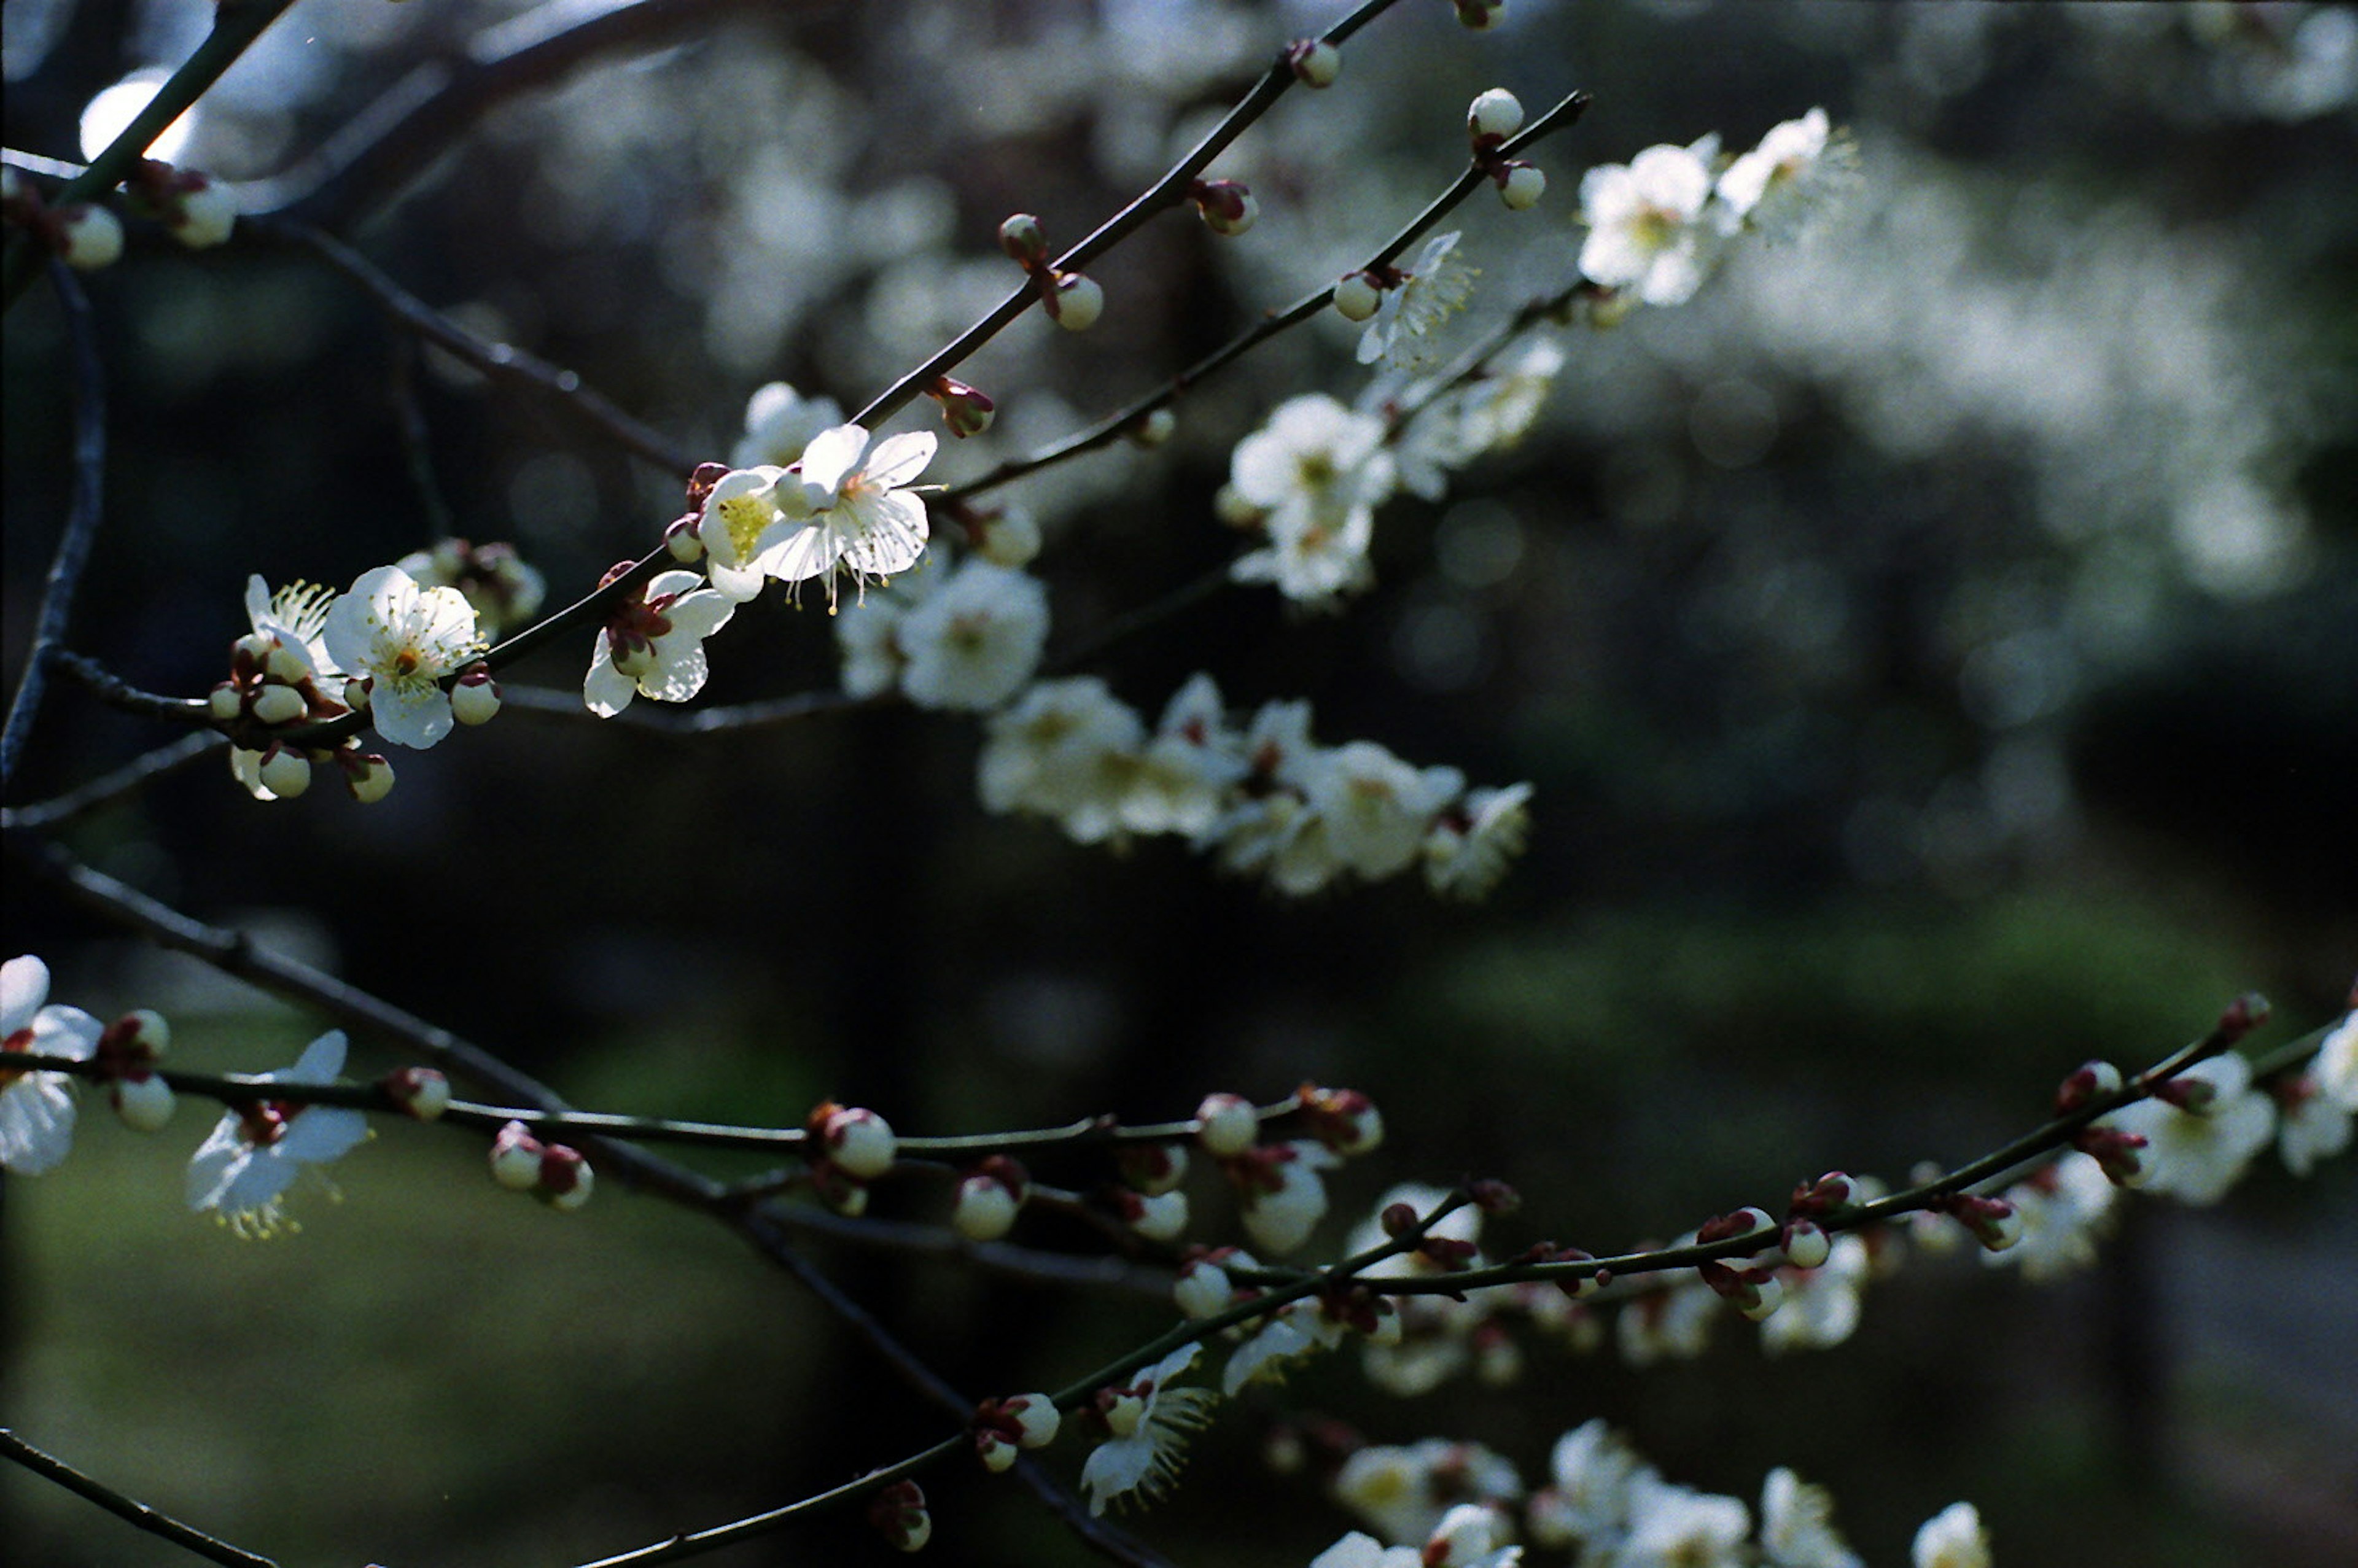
154,1522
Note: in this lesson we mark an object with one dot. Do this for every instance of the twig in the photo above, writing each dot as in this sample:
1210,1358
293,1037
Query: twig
115,692
82,512
107,788
237,24
1168,191
50,1468
501,361
1127,417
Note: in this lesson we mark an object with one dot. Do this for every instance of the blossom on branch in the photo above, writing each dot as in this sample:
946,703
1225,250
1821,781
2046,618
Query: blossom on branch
36,1109
779,423
1312,479
1645,224
1150,1421
853,506
2196,1153
257,1149
1429,293
402,640
652,644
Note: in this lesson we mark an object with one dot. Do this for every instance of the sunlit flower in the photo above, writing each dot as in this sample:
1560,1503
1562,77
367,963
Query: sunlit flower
288,627
1315,474
971,643
257,1150
402,640
36,1109
1646,228
1778,186
1150,1423
505,589
853,507
1430,292
1677,1527
743,533
652,644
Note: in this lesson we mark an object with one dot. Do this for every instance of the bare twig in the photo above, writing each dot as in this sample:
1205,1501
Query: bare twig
107,788
50,1468
82,512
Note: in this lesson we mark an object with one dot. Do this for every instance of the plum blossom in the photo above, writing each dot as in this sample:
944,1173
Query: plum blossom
2196,1155
2335,1065
1398,1491
2310,1126
1954,1538
1284,1191
1428,293
1068,749
972,643
1150,1423
854,506
1314,475
868,636
402,640
1374,808
1797,1525
257,1150
36,1109
288,627
1189,764
1778,186
1592,1473
1822,1305
1672,1526
743,533
652,644
1647,229
1467,849
2063,1207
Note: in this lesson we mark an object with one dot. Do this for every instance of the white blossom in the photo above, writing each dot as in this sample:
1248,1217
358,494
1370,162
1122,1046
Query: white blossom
1066,749
402,640
1189,767
971,643
2310,1128
1677,1527
2196,1156
743,533
1152,1424
1645,224
1468,846
1821,1305
854,507
1954,1538
1592,1472
289,626
1797,1525
1279,1216
1432,291
1778,186
652,644
1398,1491
36,1109
1376,809
257,1150
2335,1067
2063,1209
1316,473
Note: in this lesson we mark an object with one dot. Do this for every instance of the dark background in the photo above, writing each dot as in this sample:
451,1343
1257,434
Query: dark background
1933,648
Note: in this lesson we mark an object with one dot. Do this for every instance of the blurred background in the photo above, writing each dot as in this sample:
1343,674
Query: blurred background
1935,650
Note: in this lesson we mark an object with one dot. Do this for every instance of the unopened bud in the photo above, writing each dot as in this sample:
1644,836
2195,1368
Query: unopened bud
144,1100
1344,1120
1021,238
369,778
515,1158
1521,185
279,705
966,411
1356,298
1153,1167
1479,15
1399,1220
93,237
1227,1125
859,1142
1806,1245
285,773
476,699
1008,538
1493,1196
202,215
1203,1288
565,1177
1493,117
687,546
424,1093
2091,1080
1075,302
1153,428
356,693
1315,62
1160,1218
898,1513
223,702
986,1209
1226,205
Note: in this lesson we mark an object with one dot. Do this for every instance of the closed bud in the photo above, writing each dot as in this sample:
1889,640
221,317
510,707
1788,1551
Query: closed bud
1161,1217
1075,302
369,777
1521,185
1493,117
1344,1120
1492,1196
1021,238
424,1093
859,1142
1153,428
285,773
1227,1125
1315,62
93,237
143,1101
1356,298
2091,1080
1479,15
1226,205
986,1209
1759,1299
687,546
1806,1245
965,410
223,702
204,215
898,1513
476,699
356,694
1399,1221
279,705
1008,538
1036,1419
515,1158
565,1177
1153,1167
1203,1288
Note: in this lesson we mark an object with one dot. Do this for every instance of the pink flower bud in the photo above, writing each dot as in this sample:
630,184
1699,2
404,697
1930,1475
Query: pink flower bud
1315,62
476,699
1075,302
1344,1120
1806,1245
1153,428
965,410
898,1513
1227,1125
859,1142
424,1093
515,1158
1226,206
2091,1080
366,774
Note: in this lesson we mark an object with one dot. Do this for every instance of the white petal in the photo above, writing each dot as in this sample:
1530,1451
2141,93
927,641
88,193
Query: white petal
320,1062
321,1135
24,986
897,459
606,689
410,714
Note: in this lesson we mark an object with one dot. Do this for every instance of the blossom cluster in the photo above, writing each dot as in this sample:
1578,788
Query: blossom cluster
1661,223
1264,799
1602,1497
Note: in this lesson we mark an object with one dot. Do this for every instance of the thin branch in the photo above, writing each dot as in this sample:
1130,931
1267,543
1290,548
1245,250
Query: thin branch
237,24
672,720
1166,192
501,362
115,692
1122,420
50,1468
108,788
83,511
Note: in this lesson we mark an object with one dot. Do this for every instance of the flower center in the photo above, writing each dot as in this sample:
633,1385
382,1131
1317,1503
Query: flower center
263,1122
